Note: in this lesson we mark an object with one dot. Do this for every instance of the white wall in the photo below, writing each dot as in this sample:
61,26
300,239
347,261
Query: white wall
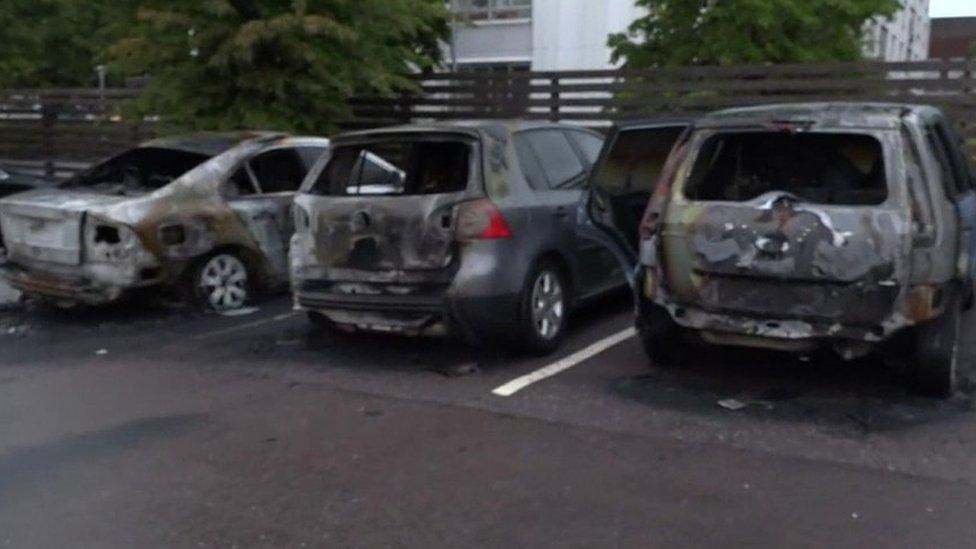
572,34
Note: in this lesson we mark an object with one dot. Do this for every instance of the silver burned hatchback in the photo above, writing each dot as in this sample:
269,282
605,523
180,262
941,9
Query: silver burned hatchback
466,228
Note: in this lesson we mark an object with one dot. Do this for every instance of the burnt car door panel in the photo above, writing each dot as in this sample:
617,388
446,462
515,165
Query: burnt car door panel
264,189
625,177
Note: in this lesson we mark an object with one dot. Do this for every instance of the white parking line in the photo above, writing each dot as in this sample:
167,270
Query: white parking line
518,384
247,326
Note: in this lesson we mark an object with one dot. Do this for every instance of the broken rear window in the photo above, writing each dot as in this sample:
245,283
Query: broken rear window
821,168
144,168
397,167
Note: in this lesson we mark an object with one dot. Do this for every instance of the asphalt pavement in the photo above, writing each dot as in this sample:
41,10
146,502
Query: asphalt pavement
146,426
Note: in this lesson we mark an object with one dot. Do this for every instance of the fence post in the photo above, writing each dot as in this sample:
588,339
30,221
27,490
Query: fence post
554,97
406,114
49,119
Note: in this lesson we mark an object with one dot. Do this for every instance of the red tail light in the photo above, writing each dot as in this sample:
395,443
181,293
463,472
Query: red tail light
481,220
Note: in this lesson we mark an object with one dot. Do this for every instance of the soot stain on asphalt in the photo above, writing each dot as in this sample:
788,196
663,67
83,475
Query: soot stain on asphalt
845,398
26,465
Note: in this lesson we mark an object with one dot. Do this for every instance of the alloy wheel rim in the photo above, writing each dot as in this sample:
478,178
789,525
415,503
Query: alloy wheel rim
223,282
548,306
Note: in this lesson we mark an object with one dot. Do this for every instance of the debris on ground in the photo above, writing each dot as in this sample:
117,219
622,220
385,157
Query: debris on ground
245,311
290,337
733,404
101,352
457,370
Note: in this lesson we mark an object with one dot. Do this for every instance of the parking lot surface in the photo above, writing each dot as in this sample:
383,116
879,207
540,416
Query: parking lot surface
148,426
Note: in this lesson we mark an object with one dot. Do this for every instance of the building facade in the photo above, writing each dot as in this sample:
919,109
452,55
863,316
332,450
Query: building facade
904,37
542,35
555,35
953,37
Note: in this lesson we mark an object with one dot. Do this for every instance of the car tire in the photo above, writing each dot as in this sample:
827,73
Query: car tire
659,334
220,282
545,304
937,353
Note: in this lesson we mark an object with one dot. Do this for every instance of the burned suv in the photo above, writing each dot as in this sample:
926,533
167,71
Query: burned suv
798,227
207,214
466,228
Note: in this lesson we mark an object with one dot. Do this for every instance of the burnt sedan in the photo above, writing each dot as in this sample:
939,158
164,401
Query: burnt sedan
465,228
207,214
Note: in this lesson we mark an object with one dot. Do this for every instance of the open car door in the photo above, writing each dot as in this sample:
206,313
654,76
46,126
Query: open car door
621,185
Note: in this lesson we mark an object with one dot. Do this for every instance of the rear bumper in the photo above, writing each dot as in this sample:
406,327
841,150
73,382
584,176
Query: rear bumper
422,315
74,287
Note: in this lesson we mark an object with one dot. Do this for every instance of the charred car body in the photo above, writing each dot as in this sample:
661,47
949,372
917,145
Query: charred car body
13,182
797,227
207,213
464,228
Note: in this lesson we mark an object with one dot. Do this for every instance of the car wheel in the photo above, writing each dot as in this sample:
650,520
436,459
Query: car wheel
937,353
659,334
221,282
545,309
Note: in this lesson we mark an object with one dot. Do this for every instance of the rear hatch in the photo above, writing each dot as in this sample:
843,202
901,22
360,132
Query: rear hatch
787,224
391,209
46,225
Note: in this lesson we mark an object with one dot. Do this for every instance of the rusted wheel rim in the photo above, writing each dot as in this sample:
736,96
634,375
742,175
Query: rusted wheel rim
548,305
223,282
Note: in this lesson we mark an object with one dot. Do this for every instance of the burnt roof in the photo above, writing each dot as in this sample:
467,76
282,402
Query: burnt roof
648,122
208,143
462,126
830,114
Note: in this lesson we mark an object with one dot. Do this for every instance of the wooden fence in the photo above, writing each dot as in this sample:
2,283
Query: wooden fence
59,130
601,97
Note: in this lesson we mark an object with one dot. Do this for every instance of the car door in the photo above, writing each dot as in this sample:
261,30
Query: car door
557,172
267,184
959,172
620,187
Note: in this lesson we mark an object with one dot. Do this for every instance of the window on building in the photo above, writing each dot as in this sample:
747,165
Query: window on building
487,10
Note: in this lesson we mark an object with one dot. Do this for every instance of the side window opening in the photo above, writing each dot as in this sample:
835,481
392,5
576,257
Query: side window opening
821,168
920,199
144,168
531,168
953,147
588,144
310,155
945,168
279,170
397,167
240,184
562,166
627,176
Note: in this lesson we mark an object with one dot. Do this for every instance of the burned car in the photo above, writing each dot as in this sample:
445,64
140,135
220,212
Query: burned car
465,228
13,182
207,214
800,227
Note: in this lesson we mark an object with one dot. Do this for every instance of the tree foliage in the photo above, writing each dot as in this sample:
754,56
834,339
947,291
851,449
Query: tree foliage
57,42
275,64
728,32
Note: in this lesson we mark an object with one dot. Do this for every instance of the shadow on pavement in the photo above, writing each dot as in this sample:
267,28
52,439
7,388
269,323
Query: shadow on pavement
855,398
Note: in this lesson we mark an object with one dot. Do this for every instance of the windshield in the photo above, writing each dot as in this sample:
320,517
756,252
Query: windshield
138,170
397,167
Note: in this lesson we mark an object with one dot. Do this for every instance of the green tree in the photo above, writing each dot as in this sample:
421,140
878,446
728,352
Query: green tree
276,64
57,42
727,32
